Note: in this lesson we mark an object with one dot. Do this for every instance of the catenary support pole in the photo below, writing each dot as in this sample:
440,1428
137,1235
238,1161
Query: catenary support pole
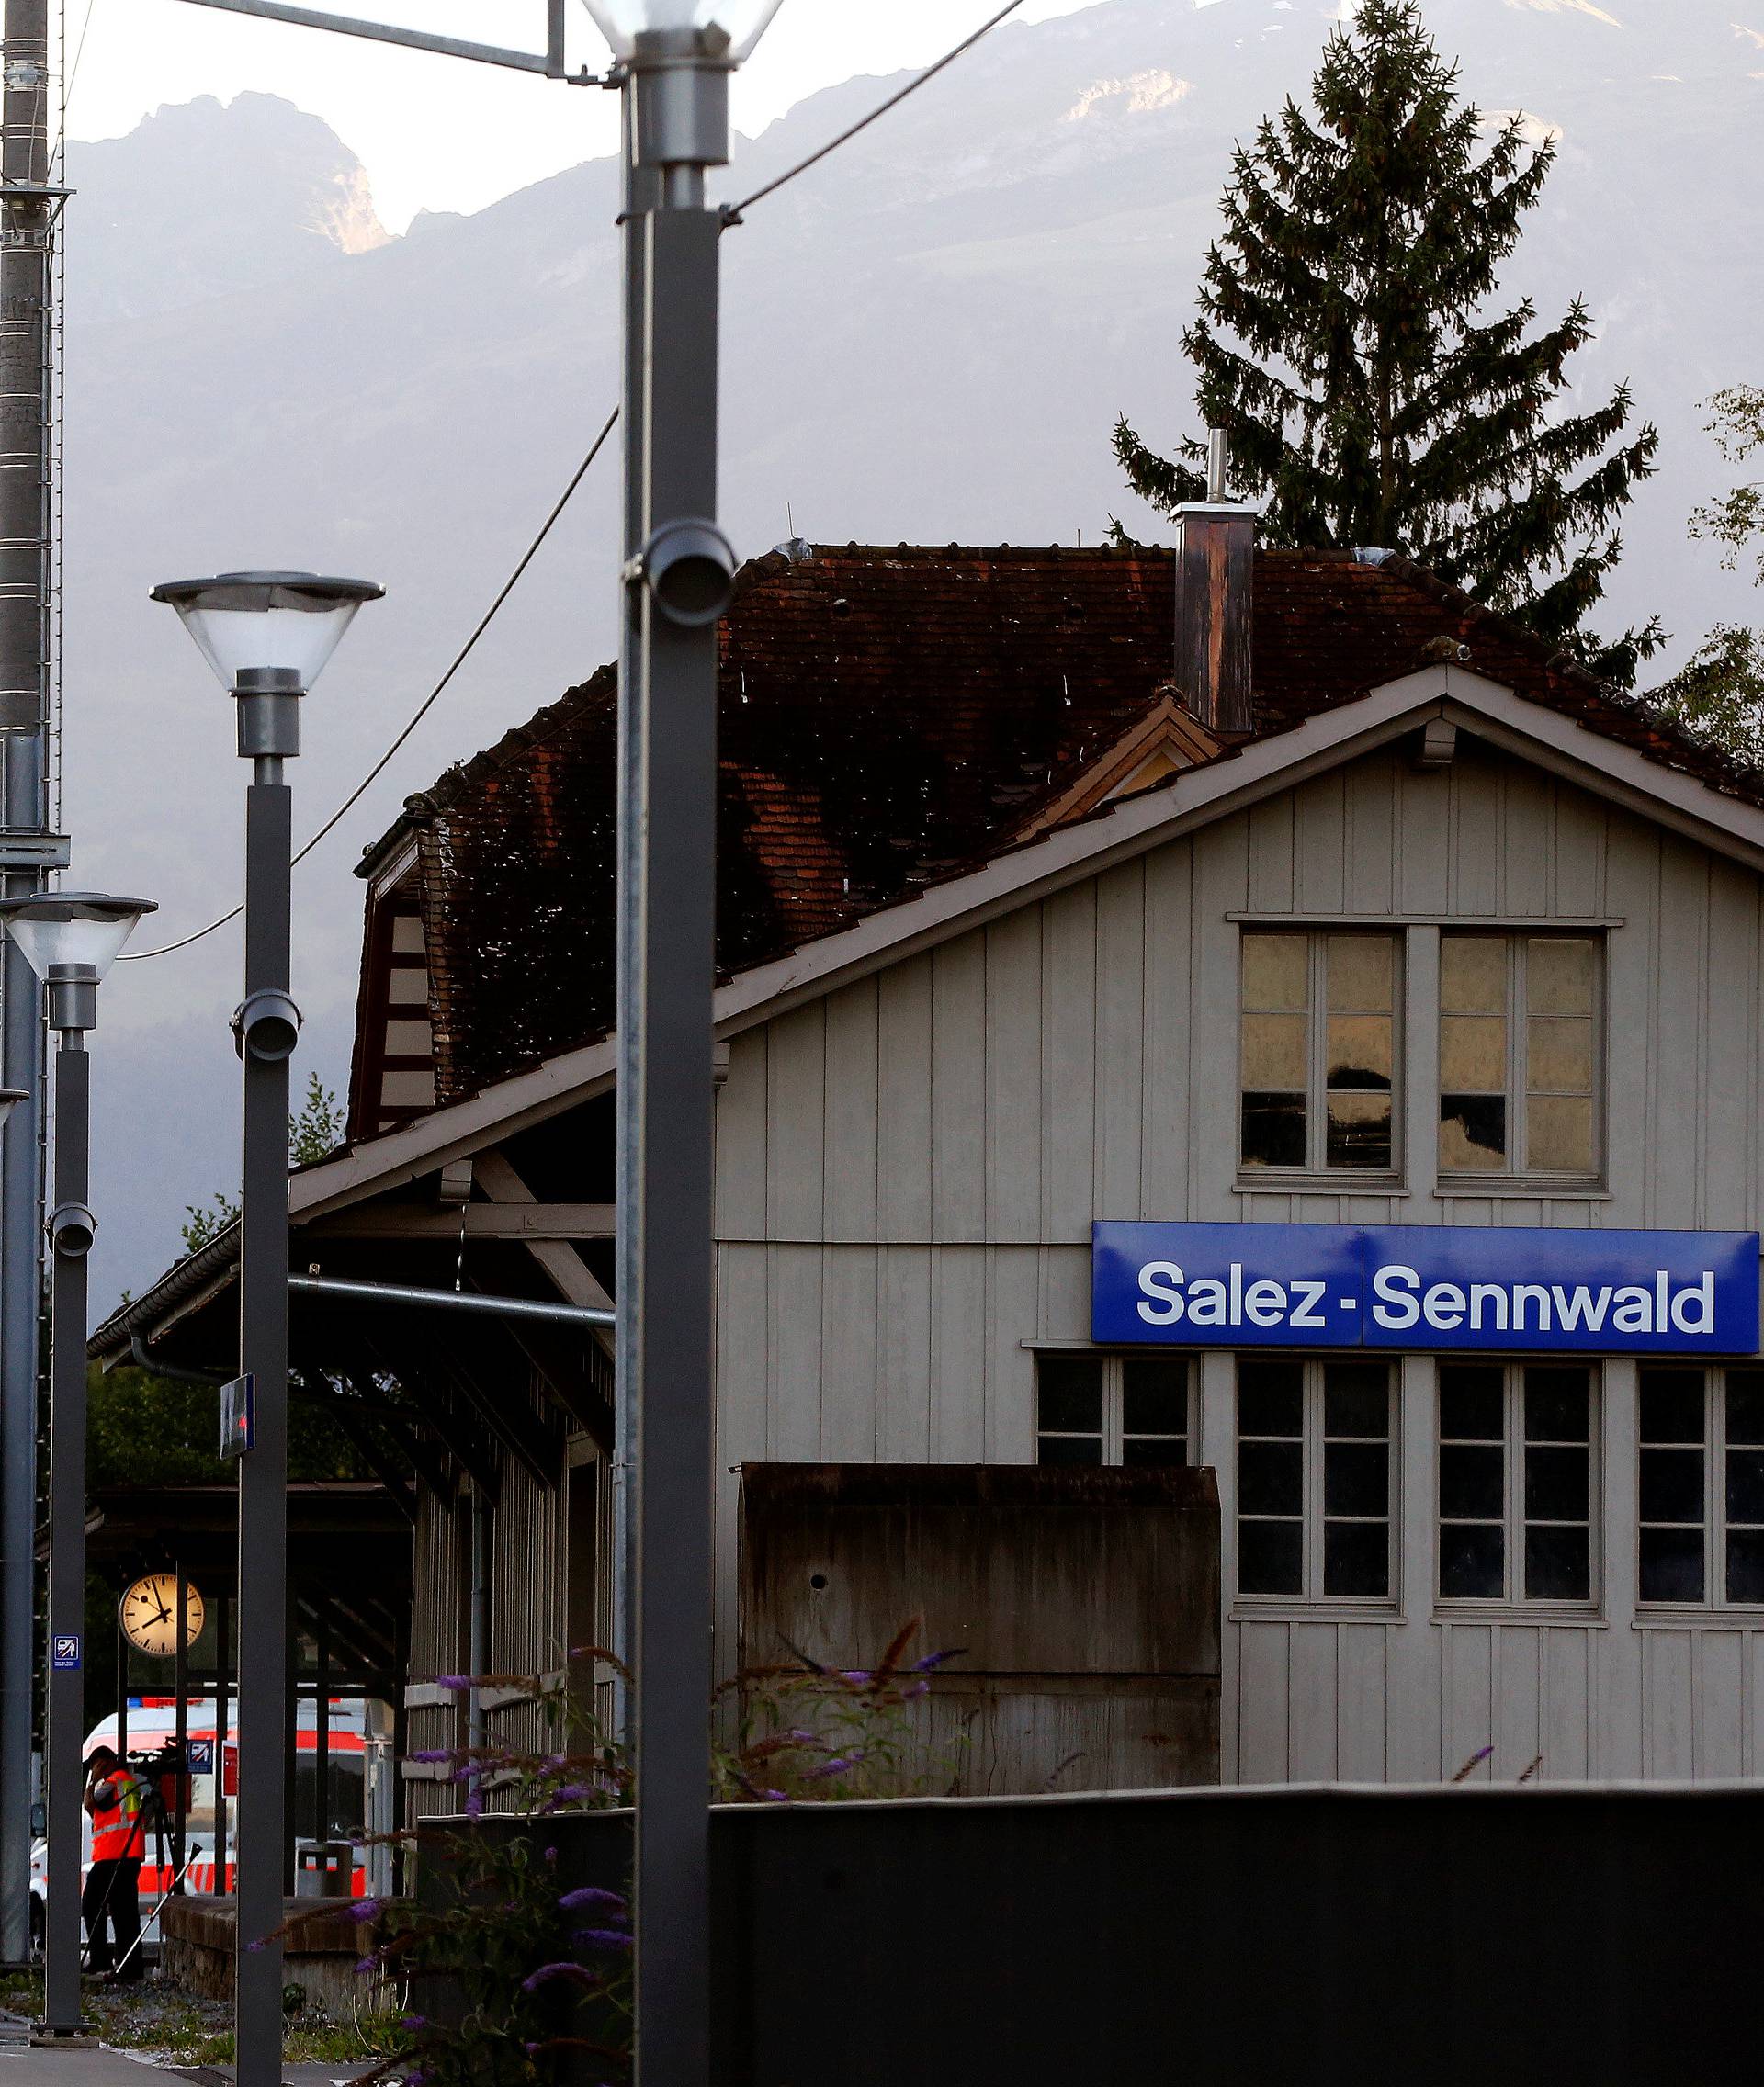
263,1471
668,908
222,1689
642,192
26,460
64,1727
181,1728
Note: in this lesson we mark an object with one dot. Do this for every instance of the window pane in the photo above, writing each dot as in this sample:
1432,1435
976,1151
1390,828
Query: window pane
1273,1130
1473,1132
1275,971
1271,1399
1356,1559
1671,1405
1359,1130
1745,1565
1274,1050
1154,1449
1361,970
1356,1399
1270,1557
1558,975
1559,1132
1557,1404
1746,1406
1558,1565
1471,1482
1745,1486
1357,1048
1071,1392
1271,1478
1356,1478
1558,1054
1472,974
1154,1396
1471,1402
1671,1485
1473,1052
1069,1449
1671,1565
1555,1485
1471,1562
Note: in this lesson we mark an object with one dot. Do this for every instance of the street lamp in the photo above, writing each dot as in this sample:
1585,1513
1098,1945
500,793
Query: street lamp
70,939
674,60
267,637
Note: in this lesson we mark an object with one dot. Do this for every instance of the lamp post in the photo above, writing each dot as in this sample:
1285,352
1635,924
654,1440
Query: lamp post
267,637
675,58
70,939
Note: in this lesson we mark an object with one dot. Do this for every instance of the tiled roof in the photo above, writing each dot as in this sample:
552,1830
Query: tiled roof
891,717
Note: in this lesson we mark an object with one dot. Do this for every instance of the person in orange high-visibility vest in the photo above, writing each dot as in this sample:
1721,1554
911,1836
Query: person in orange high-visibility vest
112,1894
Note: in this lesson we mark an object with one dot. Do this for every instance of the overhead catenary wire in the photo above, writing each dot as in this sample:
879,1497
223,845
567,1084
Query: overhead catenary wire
423,709
731,215
733,212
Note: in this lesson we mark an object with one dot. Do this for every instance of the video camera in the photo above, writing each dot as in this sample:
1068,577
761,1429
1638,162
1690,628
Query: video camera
160,1769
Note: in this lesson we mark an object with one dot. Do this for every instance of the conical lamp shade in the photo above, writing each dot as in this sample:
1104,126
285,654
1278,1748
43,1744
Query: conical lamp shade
246,622
742,23
82,928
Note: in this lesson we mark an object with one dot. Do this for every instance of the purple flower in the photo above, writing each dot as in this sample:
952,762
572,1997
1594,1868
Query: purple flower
552,1857
918,1688
589,1895
833,1768
414,2021
855,1674
932,1659
547,1972
363,1910
365,1967
432,1753
453,1681
601,1937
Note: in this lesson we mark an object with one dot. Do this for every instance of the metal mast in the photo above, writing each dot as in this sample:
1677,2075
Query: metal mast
28,208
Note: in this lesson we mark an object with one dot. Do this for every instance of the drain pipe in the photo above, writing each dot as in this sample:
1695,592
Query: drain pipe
477,1628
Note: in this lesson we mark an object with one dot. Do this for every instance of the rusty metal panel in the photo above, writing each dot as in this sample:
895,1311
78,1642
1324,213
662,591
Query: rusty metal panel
1214,568
1082,1605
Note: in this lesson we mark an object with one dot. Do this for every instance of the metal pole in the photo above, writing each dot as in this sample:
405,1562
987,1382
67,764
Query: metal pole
642,192
263,1353
26,465
181,1724
65,1725
221,1654
668,913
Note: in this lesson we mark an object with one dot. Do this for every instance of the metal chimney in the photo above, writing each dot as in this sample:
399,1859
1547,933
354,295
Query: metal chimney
1216,553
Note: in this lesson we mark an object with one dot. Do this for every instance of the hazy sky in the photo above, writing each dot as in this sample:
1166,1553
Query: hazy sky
440,135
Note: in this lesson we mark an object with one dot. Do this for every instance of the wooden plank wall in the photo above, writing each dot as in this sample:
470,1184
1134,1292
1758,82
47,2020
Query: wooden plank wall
908,1171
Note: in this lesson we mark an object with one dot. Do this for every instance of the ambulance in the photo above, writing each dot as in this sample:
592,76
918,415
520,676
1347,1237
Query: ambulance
359,1789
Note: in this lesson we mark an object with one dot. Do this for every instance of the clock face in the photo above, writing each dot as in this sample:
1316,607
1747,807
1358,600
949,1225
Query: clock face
148,1613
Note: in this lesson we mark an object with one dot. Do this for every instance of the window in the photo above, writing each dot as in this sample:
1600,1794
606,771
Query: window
1319,1051
1314,1479
1515,1482
1112,1410
1519,1018
1701,1485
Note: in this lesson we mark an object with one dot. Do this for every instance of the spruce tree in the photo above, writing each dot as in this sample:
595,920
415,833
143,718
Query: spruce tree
1345,342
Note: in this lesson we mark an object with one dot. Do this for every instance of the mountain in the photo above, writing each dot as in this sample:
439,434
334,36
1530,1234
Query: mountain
928,337
201,201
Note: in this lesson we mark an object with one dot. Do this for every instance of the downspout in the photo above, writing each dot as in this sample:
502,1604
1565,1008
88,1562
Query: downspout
478,1635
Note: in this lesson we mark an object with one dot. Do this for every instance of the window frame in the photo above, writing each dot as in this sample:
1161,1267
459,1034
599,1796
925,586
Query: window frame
1113,1431
1715,1523
1517,1092
1312,1518
1514,1519
1316,1165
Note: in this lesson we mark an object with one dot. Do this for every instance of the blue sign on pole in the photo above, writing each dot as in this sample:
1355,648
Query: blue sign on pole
198,1756
65,1652
1420,1286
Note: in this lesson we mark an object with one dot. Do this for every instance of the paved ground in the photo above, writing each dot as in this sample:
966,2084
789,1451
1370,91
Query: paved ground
21,2066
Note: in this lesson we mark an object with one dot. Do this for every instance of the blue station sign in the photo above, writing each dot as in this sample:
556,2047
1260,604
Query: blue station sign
1420,1286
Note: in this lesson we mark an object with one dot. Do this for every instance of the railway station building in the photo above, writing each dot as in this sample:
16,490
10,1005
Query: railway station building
1244,1009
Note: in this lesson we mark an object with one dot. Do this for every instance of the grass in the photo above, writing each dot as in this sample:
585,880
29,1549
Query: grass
184,2029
